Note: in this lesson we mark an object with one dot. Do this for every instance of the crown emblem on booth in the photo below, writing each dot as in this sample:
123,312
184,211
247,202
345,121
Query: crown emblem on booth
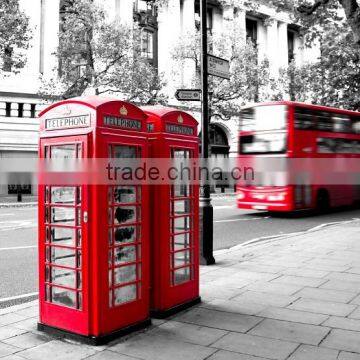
123,110
180,119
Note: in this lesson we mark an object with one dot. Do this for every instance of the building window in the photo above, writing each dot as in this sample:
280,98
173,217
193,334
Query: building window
20,110
32,110
209,18
291,46
147,44
251,31
8,109
143,5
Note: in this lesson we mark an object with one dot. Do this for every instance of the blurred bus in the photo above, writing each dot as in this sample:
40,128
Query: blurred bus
286,130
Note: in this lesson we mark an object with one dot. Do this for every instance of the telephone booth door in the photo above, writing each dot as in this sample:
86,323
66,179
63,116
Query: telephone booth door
174,224
63,254
125,215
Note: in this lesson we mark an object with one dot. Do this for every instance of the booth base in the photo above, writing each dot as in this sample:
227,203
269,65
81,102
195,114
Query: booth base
162,314
93,340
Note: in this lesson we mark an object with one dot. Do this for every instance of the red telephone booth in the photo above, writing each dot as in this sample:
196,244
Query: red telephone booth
175,216
93,238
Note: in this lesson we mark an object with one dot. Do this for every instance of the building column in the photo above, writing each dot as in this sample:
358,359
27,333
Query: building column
299,50
168,34
228,29
283,55
188,33
124,11
50,36
272,46
240,25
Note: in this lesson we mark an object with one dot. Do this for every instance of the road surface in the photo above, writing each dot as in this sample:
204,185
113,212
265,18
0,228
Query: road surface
18,239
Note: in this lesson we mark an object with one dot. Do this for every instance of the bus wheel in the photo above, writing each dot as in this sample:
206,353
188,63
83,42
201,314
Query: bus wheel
322,201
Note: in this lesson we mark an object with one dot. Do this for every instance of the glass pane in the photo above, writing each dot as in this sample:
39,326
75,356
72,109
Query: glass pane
63,236
124,254
47,274
63,151
64,257
125,294
48,293
78,237
182,258
121,151
124,194
181,190
123,215
79,295
63,195
181,154
79,280
64,277
181,241
63,297
126,234
124,274
181,224
63,216
110,259
110,298
110,236
182,275
182,206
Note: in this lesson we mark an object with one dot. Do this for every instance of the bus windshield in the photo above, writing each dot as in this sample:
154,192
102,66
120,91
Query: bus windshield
267,125
262,118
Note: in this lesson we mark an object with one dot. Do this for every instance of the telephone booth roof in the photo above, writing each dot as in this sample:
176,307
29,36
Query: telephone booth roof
160,115
93,102
91,112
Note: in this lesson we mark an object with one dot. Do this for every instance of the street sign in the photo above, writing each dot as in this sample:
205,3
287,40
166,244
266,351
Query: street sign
218,67
188,95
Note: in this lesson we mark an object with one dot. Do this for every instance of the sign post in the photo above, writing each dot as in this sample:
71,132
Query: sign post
206,209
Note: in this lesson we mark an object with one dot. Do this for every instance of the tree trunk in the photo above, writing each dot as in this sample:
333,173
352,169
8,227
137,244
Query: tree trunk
352,12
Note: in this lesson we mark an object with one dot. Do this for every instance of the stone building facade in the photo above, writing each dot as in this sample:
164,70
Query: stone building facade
274,35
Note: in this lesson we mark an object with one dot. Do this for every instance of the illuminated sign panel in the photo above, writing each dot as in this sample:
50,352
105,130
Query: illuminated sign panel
122,122
179,129
67,122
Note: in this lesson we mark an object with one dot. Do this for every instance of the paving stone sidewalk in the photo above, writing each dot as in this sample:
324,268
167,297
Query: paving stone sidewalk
297,298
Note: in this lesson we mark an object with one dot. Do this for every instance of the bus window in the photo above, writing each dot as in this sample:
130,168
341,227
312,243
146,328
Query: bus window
323,121
356,125
341,123
303,119
326,145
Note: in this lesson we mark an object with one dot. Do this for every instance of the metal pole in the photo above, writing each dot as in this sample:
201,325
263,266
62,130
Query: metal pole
206,209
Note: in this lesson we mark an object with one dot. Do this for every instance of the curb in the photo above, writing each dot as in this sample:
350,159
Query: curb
272,238
14,308
222,195
18,205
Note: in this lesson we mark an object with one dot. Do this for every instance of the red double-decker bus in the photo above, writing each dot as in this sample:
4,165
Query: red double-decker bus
296,131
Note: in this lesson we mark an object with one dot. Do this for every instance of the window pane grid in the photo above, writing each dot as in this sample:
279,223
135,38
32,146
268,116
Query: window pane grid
63,235
124,235
181,227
